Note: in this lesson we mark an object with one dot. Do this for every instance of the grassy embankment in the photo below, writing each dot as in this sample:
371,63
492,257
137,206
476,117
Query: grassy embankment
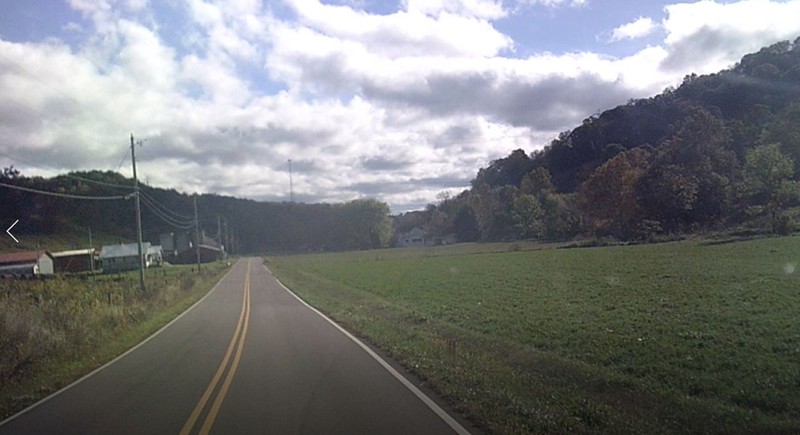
54,331
669,338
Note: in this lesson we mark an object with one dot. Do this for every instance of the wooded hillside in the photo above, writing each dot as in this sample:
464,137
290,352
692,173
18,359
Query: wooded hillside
717,152
254,226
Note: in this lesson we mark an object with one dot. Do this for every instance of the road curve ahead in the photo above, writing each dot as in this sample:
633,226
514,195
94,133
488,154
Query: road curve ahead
248,358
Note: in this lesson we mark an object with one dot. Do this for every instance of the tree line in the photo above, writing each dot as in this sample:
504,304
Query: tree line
255,226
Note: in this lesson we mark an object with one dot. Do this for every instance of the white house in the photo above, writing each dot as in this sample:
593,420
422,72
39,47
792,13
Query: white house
415,237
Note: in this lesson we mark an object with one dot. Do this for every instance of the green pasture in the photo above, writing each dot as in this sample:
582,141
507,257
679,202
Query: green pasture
665,338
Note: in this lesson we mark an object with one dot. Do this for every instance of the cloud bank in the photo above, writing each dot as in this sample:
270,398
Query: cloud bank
398,105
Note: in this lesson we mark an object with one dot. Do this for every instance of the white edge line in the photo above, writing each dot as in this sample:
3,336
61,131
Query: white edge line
455,425
93,372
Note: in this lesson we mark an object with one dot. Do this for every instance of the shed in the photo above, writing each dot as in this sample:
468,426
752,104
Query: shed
155,256
30,263
78,260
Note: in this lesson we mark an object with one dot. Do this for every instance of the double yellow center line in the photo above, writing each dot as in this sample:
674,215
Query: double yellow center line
237,342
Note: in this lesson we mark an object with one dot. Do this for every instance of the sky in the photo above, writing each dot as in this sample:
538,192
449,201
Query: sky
398,100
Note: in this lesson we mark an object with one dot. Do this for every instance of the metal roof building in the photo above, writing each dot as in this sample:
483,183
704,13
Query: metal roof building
30,263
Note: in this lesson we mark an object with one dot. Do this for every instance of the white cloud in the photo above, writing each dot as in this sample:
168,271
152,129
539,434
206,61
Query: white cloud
400,106
551,3
708,36
638,28
484,9
404,33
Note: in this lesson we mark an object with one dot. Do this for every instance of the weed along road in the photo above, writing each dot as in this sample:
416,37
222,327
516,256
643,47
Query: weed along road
248,358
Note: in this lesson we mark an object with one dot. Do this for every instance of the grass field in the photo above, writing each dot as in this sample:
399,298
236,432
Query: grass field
684,337
54,331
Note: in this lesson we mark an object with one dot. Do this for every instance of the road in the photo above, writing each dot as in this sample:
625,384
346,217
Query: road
248,358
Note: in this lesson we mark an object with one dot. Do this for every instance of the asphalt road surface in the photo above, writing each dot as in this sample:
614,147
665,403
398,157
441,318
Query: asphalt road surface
248,358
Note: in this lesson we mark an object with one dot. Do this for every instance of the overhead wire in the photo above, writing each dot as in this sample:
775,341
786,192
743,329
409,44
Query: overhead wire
155,209
166,209
166,218
65,195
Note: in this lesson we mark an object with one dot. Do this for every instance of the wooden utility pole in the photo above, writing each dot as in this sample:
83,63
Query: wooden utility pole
227,244
219,231
138,217
196,234
91,251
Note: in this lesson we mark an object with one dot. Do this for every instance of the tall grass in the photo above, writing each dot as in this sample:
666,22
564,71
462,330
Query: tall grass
58,325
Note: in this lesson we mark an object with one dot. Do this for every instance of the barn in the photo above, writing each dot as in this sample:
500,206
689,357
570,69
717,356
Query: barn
30,263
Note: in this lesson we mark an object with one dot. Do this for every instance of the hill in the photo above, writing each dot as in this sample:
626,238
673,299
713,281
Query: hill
718,152
245,225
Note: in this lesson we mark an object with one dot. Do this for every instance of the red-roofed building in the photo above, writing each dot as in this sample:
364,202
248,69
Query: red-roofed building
30,263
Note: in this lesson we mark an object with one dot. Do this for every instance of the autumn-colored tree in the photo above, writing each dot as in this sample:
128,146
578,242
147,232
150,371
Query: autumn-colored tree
609,195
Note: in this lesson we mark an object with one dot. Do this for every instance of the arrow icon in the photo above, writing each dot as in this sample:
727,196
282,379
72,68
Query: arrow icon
9,231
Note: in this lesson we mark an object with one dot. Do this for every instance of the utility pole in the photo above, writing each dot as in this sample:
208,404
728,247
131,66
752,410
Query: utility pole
219,231
227,244
138,217
91,251
196,234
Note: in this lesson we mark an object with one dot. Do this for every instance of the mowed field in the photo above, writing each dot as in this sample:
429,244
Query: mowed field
684,337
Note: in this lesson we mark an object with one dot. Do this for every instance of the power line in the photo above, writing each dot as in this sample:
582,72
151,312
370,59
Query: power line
169,220
166,209
65,195
122,161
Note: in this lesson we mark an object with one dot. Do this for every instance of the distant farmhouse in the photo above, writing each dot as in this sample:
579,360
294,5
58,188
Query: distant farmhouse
124,257
417,237
79,260
32,263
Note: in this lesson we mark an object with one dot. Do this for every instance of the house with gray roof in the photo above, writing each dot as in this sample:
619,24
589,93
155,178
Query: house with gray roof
124,257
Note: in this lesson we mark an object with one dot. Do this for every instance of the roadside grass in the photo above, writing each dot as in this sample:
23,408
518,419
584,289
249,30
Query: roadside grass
54,331
681,337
